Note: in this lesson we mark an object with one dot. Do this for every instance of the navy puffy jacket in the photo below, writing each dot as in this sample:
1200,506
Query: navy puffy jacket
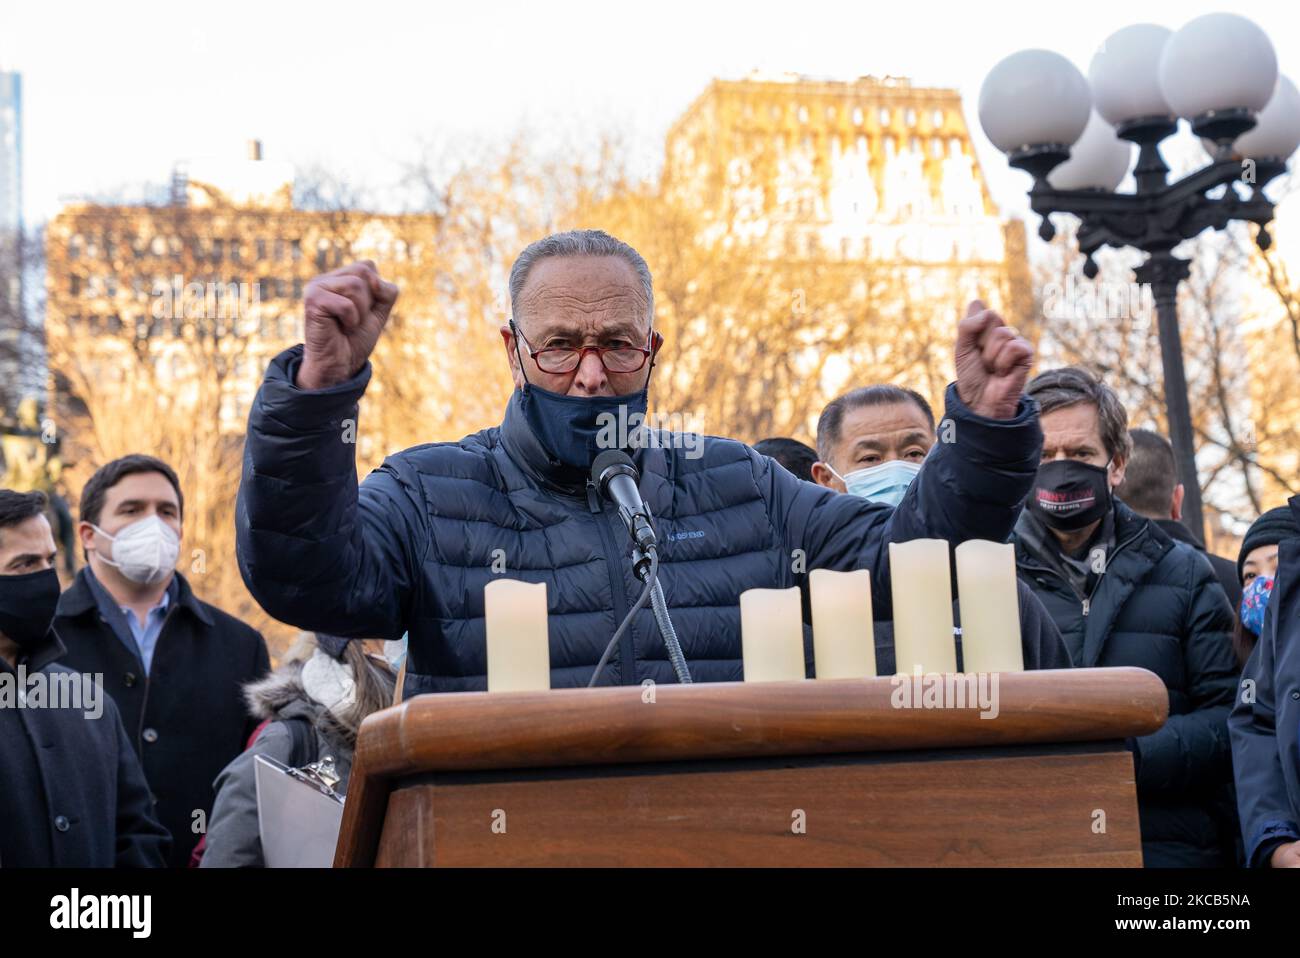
411,549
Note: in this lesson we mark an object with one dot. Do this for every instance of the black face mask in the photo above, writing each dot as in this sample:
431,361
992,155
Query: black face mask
27,604
1069,495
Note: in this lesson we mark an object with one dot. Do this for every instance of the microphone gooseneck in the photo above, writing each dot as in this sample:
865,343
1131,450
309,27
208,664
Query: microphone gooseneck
615,477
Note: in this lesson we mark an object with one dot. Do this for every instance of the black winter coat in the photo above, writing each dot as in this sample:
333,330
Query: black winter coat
1040,640
1225,570
1158,606
413,548
75,796
186,718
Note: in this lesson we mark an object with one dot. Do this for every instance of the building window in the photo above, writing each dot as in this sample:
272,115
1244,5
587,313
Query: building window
297,288
261,249
279,250
74,246
914,144
911,117
884,116
803,114
296,246
937,118
936,147
857,116
74,285
234,251
218,250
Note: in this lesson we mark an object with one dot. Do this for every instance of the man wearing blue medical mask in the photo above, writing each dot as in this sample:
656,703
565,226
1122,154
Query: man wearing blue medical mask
872,442
173,664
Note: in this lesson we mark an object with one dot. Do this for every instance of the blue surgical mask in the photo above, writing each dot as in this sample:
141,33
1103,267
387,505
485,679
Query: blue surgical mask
886,482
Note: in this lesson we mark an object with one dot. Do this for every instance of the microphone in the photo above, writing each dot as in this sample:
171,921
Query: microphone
615,476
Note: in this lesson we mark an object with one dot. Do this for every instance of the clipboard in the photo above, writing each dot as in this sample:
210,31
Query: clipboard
298,816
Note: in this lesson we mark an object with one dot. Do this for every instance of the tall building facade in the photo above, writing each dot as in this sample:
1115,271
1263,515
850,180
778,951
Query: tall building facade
871,175
206,289
15,345
11,150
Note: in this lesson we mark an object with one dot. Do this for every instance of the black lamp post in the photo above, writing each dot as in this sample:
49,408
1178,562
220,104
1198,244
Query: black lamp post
1035,105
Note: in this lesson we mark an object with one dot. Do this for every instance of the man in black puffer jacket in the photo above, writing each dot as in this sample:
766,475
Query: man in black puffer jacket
1123,592
413,547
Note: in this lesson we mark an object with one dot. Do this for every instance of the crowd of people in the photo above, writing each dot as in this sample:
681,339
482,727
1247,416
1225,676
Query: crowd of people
1108,574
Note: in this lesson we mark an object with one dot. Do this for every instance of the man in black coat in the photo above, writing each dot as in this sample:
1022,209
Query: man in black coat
1125,594
174,665
73,793
1151,489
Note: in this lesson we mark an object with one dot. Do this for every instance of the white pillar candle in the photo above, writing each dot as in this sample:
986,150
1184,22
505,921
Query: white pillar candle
518,652
920,580
844,645
990,607
771,635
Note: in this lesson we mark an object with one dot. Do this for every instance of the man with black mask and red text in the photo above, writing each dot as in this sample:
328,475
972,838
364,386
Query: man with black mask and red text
1123,593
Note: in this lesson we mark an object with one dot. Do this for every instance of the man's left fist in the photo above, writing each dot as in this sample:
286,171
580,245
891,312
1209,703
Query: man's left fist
992,363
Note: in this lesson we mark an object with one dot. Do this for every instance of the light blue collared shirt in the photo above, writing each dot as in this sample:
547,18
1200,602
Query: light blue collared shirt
146,633
139,637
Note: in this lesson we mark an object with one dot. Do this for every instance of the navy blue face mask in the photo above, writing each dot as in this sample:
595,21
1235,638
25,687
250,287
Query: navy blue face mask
574,429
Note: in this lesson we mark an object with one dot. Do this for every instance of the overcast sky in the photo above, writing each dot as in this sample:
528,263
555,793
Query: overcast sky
116,93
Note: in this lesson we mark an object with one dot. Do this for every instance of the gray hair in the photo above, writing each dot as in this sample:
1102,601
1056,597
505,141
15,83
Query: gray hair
1071,385
579,243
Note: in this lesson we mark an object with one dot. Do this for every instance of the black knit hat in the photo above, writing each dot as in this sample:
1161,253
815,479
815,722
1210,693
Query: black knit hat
1268,530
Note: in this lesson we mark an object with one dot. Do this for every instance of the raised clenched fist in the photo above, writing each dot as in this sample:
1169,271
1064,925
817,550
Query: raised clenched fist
992,361
344,313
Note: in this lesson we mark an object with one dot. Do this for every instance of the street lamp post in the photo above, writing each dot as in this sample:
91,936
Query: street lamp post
1075,137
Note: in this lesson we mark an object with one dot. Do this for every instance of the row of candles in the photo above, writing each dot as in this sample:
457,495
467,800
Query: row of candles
771,620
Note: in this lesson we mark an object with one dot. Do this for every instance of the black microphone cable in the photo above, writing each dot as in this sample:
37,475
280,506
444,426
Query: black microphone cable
650,582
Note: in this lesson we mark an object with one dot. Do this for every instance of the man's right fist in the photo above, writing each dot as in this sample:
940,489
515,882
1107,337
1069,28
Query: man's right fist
344,313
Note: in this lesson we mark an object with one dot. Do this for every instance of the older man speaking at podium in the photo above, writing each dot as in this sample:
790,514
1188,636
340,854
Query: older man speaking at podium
412,548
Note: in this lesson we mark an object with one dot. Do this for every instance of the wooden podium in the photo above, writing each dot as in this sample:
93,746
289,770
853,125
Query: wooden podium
822,772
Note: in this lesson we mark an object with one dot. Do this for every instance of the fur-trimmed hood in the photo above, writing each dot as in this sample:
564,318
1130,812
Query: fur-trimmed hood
280,695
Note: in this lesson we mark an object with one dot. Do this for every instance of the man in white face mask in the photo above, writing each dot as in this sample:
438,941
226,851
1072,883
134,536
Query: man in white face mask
872,442
173,664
